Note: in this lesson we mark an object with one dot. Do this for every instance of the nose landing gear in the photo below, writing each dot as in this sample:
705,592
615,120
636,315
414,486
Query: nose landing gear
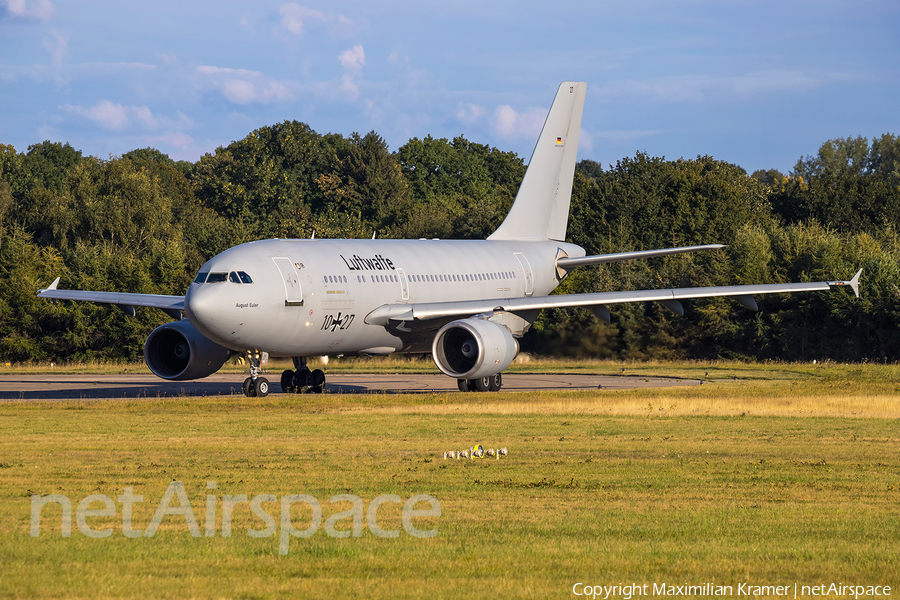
255,386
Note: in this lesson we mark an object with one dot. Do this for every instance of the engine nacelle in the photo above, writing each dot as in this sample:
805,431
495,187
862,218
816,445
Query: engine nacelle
473,348
177,351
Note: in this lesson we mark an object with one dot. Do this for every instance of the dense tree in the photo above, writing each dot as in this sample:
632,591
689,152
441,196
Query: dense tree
848,185
145,223
460,189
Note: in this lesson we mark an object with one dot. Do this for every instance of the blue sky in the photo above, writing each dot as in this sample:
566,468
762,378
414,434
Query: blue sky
758,84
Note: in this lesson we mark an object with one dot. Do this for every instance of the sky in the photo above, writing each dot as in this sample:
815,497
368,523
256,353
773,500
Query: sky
755,83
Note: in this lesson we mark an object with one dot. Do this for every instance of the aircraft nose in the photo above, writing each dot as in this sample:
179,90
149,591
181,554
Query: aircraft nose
201,304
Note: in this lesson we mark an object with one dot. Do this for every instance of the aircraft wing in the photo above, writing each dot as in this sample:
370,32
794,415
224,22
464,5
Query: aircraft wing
172,305
741,293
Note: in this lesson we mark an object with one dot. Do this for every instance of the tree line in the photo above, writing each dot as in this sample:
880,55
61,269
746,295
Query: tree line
145,223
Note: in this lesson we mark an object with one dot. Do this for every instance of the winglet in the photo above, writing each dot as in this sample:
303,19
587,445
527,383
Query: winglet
54,284
853,283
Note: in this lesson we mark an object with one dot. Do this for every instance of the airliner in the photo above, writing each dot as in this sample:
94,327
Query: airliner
466,302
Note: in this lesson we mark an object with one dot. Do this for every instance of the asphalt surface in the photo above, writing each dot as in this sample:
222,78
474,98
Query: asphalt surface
75,387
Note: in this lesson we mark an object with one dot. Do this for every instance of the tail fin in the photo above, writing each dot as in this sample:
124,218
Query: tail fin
541,208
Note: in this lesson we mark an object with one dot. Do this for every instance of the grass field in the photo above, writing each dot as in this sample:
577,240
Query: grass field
788,474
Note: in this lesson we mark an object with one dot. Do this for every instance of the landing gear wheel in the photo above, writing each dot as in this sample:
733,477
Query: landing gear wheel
261,387
318,381
496,382
287,382
483,384
303,379
466,385
248,383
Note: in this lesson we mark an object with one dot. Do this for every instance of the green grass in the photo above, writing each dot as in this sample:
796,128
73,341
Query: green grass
725,483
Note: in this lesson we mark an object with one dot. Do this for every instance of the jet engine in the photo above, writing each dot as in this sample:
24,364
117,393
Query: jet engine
473,348
176,351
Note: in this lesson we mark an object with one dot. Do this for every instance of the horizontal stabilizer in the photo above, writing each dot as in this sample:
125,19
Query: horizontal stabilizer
570,263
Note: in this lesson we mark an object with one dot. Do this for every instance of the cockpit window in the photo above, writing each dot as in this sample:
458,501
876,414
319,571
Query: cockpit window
233,278
217,277
201,277
244,277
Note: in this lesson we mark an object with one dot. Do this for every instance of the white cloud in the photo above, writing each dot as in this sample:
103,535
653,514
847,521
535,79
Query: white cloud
41,10
104,113
242,86
295,19
115,117
353,59
144,115
585,141
511,124
707,88
348,87
57,48
292,16
470,113
177,139
241,91
210,70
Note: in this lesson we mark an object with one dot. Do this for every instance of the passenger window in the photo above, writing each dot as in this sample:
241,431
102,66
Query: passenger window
201,277
217,277
244,277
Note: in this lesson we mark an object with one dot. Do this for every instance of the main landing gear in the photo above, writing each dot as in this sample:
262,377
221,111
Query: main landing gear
255,386
491,383
302,380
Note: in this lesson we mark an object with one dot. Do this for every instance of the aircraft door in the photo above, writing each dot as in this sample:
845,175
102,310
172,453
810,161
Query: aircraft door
293,293
529,276
404,285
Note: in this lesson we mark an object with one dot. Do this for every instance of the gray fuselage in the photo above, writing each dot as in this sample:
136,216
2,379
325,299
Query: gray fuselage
311,297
